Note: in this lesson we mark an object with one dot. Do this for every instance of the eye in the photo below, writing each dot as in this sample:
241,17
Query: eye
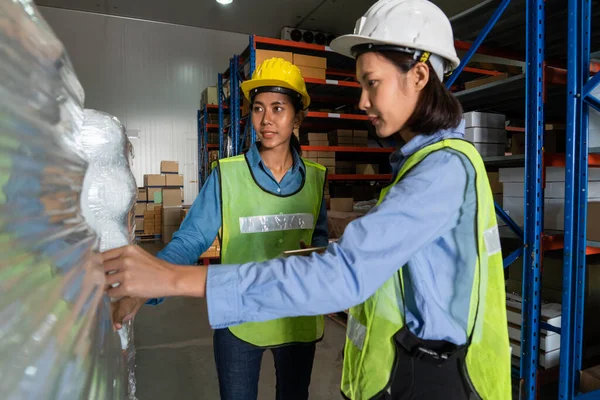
257,109
278,109
371,83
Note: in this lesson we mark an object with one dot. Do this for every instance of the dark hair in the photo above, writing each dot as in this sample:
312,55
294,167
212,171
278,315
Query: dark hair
437,109
297,105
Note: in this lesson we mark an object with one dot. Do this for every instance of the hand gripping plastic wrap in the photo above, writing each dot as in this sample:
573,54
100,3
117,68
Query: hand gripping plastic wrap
56,335
108,199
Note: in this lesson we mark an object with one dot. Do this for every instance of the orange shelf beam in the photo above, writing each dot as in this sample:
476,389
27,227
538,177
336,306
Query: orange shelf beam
289,43
212,146
357,117
556,242
332,82
355,177
558,160
345,149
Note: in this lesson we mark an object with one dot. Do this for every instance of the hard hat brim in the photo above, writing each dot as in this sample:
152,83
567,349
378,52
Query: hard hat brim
248,86
344,44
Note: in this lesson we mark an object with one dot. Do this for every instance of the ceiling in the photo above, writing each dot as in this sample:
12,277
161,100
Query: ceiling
261,17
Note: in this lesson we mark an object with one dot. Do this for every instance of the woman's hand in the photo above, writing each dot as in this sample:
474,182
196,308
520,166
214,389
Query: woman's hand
139,274
125,309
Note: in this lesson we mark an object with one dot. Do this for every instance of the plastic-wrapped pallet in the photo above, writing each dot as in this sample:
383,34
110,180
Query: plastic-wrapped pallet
108,198
56,335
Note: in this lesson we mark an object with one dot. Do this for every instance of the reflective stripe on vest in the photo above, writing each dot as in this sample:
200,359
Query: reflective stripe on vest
259,226
370,351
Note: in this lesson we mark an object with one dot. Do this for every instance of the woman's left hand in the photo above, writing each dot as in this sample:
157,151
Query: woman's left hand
138,273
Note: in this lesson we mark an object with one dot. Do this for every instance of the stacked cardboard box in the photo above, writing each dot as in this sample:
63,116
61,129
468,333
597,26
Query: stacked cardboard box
213,138
349,138
209,96
171,220
344,204
487,132
157,219
367,169
318,139
325,158
310,66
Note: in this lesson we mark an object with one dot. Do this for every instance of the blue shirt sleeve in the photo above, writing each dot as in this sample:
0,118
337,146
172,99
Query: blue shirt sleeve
416,211
320,236
198,230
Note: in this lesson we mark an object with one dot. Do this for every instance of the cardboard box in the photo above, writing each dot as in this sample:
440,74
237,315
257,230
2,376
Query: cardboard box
589,380
210,95
317,137
326,162
172,197
341,133
154,180
495,184
343,141
262,55
148,230
169,167
140,208
139,223
593,227
360,133
360,141
484,81
155,195
309,61
214,251
168,232
367,169
311,72
319,143
142,195
344,204
171,216
174,180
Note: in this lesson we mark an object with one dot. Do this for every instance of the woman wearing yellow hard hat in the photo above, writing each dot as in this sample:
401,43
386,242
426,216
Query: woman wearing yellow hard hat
265,202
422,272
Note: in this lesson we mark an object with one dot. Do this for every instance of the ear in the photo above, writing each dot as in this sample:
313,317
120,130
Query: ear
420,76
299,118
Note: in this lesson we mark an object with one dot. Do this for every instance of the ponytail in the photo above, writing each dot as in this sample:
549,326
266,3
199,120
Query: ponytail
295,144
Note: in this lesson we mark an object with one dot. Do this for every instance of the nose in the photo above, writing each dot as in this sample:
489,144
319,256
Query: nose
266,118
364,104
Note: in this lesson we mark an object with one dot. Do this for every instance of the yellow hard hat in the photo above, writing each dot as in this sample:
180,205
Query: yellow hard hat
274,74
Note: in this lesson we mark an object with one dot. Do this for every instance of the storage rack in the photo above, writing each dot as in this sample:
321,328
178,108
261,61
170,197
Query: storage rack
539,92
543,96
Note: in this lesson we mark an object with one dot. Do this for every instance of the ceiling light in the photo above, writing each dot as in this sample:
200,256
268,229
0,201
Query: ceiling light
224,1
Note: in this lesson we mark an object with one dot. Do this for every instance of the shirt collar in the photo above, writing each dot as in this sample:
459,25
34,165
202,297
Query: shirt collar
255,160
421,140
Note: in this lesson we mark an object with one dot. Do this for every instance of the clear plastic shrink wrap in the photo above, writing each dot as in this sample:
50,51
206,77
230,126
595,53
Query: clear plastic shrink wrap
56,335
108,198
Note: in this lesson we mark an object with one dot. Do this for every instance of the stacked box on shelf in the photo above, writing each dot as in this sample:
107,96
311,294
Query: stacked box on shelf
360,138
345,167
310,66
209,97
487,132
214,251
157,219
318,139
149,222
171,220
513,201
341,137
154,185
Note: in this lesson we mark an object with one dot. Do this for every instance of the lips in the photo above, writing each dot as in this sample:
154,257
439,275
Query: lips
268,135
374,120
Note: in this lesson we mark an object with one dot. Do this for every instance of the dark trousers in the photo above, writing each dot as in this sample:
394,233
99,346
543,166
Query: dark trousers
238,368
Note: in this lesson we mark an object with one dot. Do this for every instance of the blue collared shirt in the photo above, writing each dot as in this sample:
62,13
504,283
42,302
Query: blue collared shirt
426,223
200,227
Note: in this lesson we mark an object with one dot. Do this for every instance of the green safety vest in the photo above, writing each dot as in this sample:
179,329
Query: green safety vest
259,226
370,351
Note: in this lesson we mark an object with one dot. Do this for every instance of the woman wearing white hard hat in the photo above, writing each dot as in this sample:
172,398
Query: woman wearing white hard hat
422,272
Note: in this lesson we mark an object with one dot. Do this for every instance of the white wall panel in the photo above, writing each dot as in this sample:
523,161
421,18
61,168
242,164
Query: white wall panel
150,75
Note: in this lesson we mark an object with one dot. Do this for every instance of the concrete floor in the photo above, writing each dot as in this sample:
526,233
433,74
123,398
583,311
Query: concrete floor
175,357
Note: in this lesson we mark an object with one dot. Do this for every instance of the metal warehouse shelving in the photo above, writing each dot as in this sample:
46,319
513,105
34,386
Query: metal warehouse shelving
554,84
566,44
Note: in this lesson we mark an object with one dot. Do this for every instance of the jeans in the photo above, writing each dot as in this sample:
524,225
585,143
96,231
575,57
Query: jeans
238,368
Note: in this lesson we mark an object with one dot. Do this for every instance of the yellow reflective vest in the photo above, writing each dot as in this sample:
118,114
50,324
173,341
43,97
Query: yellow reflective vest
258,226
370,351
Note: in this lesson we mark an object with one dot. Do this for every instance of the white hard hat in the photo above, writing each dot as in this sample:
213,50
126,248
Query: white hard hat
408,25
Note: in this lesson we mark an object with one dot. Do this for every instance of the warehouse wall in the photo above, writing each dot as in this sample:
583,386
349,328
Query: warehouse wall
150,75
